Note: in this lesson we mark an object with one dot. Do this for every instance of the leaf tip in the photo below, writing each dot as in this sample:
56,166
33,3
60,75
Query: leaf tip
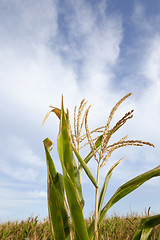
48,144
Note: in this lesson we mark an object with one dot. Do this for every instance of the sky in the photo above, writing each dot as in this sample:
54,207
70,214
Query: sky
99,50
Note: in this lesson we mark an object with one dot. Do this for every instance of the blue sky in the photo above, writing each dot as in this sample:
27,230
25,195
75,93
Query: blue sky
100,50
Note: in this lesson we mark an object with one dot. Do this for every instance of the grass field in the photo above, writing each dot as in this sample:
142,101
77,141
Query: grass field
114,228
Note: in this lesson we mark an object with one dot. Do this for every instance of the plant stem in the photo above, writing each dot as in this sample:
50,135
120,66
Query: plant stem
79,170
96,205
80,179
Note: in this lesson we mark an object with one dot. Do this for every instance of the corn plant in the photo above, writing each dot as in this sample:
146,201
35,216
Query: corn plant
65,198
146,226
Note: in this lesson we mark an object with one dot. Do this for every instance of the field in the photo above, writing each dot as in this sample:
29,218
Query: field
114,228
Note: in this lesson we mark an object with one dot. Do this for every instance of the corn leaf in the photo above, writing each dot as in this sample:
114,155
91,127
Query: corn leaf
64,146
145,233
128,187
75,209
77,182
85,167
66,158
66,155
104,188
57,212
146,226
57,111
123,191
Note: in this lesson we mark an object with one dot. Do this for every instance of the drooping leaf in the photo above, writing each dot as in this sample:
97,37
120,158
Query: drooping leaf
55,110
146,226
123,191
57,212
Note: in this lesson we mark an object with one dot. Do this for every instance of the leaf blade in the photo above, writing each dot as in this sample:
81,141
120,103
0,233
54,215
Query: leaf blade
77,182
57,111
105,185
146,226
85,167
66,158
75,209
64,146
136,182
130,186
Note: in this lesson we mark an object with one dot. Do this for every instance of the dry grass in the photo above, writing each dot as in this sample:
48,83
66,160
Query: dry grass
120,228
114,228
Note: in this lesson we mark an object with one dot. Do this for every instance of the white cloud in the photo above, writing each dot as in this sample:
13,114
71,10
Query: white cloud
37,75
20,173
138,16
25,24
151,69
18,204
99,50
32,79
37,194
20,152
143,20
148,104
18,161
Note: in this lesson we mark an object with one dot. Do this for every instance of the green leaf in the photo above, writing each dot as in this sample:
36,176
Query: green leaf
128,187
75,209
64,146
145,233
123,191
66,154
66,158
57,212
85,167
57,111
77,182
146,226
106,181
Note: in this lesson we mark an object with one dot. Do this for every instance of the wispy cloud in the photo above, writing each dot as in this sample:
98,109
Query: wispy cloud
17,204
20,161
91,45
